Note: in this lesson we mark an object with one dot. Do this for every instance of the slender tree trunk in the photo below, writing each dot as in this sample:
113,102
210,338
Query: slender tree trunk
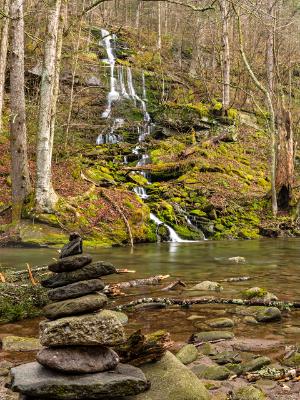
226,55
45,196
18,142
159,26
3,55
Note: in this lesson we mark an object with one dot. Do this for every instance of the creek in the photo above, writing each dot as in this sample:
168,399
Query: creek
271,264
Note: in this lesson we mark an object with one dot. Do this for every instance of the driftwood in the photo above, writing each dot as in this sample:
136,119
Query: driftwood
140,349
277,374
115,289
210,300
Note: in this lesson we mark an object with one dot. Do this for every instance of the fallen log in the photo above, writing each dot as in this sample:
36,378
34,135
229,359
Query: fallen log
277,374
210,300
140,349
115,289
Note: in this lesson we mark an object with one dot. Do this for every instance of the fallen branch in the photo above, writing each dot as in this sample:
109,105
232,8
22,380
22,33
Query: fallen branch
30,275
174,285
115,289
140,349
209,300
277,374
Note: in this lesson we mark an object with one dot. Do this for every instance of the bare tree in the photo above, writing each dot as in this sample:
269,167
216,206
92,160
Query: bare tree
3,54
19,170
45,195
225,54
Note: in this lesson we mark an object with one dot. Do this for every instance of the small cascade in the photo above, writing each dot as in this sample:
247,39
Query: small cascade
111,137
124,93
135,97
174,237
113,95
141,192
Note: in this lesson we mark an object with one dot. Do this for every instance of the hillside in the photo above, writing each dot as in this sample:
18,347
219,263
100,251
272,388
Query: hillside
165,149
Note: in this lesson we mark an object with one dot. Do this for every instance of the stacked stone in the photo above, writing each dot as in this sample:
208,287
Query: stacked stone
77,361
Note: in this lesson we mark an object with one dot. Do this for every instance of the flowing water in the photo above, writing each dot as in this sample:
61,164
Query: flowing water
271,264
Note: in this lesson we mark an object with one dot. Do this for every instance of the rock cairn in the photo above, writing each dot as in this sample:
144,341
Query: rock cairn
77,361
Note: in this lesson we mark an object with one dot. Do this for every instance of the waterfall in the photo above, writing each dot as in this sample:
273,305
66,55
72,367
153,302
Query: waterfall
113,95
135,97
122,84
173,235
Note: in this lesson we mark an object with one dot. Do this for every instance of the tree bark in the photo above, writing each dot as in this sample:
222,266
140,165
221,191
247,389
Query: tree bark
226,55
3,55
45,196
18,141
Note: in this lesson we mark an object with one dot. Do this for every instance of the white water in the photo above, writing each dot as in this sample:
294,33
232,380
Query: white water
174,237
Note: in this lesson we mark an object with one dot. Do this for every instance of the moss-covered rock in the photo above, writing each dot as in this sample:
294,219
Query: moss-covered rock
248,393
187,354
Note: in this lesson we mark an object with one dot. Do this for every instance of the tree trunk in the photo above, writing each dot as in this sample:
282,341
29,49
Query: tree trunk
18,141
3,55
226,55
45,196
285,159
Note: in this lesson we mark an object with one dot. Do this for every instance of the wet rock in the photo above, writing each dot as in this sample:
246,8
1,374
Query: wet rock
70,263
102,328
248,393
208,285
213,372
121,317
246,344
293,360
255,364
257,293
42,383
220,323
250,320
260,313
85,304
171,380
227,357
211,336
188,354
17,343
207,349
75,290
78,359
91,271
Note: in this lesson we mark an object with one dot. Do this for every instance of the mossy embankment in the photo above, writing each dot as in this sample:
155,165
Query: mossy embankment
209,172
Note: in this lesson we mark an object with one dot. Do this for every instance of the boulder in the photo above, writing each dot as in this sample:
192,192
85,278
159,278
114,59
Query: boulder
38,382
75,290
91,271
257,293
85,304
18,343
171,380
213,372
220,323
102,328
70,263
208,285
78,359
248,393
260,313
187,354
211,336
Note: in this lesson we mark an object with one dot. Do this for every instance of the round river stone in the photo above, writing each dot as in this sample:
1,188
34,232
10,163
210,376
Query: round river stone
79,359
76,289
81,305
91,271
102,328
70,263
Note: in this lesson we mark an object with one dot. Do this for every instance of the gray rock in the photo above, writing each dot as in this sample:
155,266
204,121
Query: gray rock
255,364
91,271
70,263
76,289
102,328
42,383
260,313
187,354
78,359
81,305
19,343
220,323
248,393
208,285
213,372
171,380
211,336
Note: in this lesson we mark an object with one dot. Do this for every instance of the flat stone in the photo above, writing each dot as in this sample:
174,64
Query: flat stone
19,343
227,357
246,344
70,263
187,354
38,382
213,372
76,289
79,359
211,336
255,364
81,305
102,328
207,286
91,271
220,323
171,380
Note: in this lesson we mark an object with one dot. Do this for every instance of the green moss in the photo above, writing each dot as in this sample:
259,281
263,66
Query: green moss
251,293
